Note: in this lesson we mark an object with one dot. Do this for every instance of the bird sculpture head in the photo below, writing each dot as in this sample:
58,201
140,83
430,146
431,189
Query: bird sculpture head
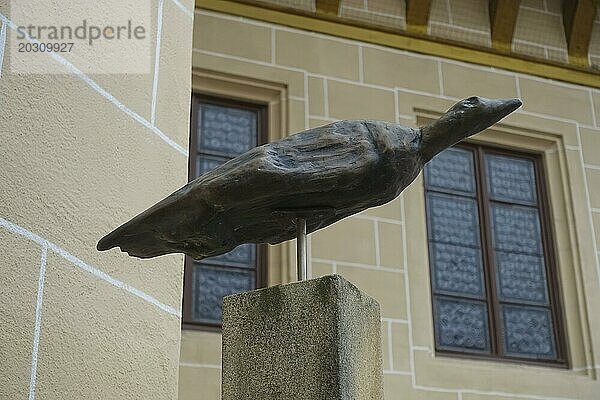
465,118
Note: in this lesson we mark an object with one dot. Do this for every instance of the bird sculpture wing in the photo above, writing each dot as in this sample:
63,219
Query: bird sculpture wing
249,198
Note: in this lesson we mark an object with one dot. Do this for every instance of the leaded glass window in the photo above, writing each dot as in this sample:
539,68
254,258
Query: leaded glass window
221,129
492,268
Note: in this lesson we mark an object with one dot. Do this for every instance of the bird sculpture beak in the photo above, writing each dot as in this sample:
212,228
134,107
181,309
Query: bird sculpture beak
491,111
464,119
504,107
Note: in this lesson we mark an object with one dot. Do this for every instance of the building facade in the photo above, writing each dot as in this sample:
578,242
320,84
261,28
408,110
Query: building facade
84,152
312,68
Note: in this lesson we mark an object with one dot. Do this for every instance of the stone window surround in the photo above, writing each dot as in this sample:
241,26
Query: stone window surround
281,258
195,149
491,295
558,144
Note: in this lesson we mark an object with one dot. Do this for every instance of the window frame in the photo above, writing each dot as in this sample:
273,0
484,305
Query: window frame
261,276
492,299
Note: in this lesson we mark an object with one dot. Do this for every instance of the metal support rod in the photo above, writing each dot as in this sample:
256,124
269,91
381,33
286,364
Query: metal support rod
301,249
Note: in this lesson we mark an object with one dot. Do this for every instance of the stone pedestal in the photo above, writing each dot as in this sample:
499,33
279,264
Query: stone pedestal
316,339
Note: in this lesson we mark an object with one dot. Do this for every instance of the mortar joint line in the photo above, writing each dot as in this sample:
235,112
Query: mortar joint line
101,91
411,359
14,228
199,365
395,372
321,117
537,10
450,19
458,27
159,23
326,96
2,45
250,61
592,166
394,320
309,258
306,102
358,265
396,106
545,47
273,46
184,9
589,202
390,345
38,321
592,105
375,13
377,250
361,72
376,218
440,77
421,348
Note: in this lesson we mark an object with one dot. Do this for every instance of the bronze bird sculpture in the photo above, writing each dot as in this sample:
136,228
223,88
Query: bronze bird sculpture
322,174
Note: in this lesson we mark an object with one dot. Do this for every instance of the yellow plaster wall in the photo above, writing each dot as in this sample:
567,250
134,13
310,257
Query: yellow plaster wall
383,250
81,154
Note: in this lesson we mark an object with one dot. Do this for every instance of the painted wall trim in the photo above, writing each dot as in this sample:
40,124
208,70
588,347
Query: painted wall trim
2,44
406,41
46,244
72,69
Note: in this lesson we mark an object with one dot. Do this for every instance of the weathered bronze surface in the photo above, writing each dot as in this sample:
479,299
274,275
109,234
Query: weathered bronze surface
322,174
